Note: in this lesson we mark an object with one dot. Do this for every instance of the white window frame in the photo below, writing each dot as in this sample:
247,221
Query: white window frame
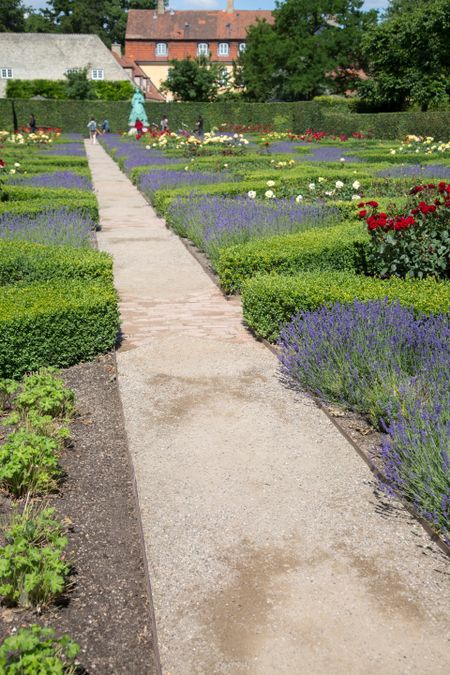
223,49
6,73
98,74
161,49
202,49
242,47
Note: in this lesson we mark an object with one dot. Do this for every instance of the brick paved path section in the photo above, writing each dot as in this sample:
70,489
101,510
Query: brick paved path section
268,547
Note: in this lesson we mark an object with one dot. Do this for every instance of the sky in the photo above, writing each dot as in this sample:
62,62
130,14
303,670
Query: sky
220,4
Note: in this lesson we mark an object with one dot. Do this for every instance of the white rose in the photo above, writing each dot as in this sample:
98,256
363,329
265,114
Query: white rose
251,194
269,194
299,199
16,164
339,184
356,185
186,168
342,159
147,147
312,186
392,152
329,193
270,183
356,198
12,171
321,179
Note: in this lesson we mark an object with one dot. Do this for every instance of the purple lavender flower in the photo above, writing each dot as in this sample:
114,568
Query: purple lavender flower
57,226
215,222
381,359
57,179
416,170
160,179
69,149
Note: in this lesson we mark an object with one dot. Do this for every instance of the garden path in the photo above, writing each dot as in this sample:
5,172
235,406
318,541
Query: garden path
269,550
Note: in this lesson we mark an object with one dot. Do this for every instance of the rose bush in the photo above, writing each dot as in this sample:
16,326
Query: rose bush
412,244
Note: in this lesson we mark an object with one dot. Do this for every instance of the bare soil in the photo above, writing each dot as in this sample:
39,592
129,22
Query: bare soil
107,608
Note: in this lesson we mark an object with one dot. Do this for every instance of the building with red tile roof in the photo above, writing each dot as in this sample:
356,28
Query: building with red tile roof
155,37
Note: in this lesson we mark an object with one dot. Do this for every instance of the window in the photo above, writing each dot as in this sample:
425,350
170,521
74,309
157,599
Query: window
242,46
6,73
161,49
224,77
202,48
98,74
224,49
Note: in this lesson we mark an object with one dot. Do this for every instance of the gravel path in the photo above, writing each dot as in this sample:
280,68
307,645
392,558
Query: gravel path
269,549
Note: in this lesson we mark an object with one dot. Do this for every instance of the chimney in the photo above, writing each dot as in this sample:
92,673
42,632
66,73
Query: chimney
160,6
230,6
116,48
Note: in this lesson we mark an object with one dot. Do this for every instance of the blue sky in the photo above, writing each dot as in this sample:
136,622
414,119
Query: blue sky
220,4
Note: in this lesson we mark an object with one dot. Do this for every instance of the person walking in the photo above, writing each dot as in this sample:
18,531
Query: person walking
164,124
199,126
105,126
93,130
32,124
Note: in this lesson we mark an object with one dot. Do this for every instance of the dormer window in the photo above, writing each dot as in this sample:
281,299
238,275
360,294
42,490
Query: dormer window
161,49
224,49
98,74
202,49
6,73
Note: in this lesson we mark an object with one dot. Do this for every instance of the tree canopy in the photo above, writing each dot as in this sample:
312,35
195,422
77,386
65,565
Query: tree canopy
12,16
313,47
409,56
194,79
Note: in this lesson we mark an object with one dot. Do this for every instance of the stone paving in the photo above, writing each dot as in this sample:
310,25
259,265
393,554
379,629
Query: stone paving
269,548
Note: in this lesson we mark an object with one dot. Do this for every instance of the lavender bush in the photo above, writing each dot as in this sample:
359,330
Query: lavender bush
215,222
72,149
160,179
416,170
59,227
57,179
135,154
380,359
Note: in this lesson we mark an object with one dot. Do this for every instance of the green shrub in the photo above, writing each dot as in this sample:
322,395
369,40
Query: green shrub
27,193
32,566
55,323
338,248
86,204
271,300
106,90
25,262
29,463
37,650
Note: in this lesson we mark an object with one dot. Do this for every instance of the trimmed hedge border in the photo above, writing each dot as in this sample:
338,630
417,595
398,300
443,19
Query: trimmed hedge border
24,262
55,324
269,301
335,248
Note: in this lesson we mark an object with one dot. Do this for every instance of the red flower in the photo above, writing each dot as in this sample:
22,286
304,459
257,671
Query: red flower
373,204
361,204
363,213
2,163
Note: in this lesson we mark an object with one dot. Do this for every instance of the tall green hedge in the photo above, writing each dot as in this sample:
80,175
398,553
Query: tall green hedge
74,116
106,90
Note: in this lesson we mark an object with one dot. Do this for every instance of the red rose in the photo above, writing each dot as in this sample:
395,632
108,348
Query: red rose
363,213
373,204
360,205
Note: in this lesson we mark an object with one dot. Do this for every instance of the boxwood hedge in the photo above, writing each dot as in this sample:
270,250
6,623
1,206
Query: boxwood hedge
85,203
339,248
25,262
271,300
55,323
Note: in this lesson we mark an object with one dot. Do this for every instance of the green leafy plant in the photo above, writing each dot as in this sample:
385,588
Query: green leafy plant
32,566
37,650
7,390
46,394
29,463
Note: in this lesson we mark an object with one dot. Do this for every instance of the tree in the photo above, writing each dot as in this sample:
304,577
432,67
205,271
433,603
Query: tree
12,16
194,79
409,55
105,18
78,86
307,50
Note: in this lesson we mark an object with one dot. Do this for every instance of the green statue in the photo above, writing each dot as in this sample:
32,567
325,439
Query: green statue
137,109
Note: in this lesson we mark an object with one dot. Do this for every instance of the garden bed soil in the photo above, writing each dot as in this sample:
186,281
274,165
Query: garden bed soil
108,609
